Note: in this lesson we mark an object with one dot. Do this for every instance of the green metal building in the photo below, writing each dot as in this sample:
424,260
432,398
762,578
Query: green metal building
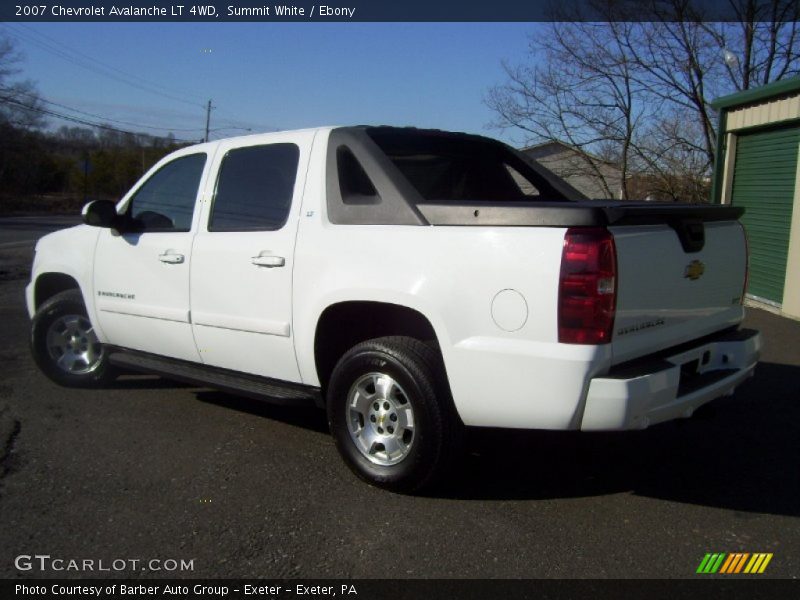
758,168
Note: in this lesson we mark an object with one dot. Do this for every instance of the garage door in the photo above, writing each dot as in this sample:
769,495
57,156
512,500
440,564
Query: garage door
763,182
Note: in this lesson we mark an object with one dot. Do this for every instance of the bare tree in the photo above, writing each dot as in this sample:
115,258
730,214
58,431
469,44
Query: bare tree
20,103
582,93
641,89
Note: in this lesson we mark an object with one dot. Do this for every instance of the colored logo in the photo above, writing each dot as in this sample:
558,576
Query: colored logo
694,270
734,562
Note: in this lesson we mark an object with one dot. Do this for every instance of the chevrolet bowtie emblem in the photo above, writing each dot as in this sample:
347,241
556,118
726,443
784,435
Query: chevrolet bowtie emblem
694,270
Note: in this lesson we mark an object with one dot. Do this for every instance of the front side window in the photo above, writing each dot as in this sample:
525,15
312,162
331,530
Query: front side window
165,202
255,188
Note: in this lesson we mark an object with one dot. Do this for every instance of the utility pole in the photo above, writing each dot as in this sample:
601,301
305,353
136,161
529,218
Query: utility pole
85,176
208,118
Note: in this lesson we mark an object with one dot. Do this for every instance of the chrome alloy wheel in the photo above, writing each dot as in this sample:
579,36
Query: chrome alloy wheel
380,419
73,345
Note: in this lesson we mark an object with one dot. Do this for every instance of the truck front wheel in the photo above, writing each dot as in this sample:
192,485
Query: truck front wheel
391,415
65,346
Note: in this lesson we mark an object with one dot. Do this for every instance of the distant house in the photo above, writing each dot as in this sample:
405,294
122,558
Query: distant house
570,163
668,187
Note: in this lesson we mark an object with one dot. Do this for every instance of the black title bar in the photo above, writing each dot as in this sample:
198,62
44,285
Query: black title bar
732,588
219,11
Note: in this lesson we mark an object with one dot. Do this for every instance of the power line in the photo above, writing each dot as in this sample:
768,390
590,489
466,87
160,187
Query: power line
74,57
238,123
96,116
121,122
74,119
105,119
78,58
109,66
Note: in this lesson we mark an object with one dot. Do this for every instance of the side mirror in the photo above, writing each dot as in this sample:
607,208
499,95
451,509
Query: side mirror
101,213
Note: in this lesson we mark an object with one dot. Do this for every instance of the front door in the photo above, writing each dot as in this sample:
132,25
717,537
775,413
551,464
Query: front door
141,278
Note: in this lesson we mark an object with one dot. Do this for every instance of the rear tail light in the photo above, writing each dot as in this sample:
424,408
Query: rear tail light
587,287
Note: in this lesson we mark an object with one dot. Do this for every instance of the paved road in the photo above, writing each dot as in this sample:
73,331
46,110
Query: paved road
18,236
151,469
18,231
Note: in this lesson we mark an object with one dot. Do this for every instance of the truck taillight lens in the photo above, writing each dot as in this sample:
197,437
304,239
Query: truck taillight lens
587,287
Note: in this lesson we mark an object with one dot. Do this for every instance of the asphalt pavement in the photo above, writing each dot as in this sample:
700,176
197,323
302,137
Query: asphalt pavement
150,469
18,231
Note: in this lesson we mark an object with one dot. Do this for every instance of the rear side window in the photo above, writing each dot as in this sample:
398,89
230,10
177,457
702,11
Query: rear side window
525,186
255,188
355,185
457,168
461,176
165,202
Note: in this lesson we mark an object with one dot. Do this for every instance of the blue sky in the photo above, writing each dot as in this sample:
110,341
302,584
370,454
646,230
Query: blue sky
274,76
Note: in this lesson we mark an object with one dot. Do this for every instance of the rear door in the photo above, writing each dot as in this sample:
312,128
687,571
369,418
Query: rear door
243,255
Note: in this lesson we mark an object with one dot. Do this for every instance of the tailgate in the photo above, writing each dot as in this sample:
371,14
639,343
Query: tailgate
669,291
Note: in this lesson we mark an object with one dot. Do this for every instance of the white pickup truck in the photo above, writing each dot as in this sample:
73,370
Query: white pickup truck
409,281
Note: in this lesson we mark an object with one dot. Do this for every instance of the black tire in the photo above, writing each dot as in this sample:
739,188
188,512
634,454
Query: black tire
50,319
420,379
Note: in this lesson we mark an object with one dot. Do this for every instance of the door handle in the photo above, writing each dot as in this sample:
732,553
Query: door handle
268,261
171,258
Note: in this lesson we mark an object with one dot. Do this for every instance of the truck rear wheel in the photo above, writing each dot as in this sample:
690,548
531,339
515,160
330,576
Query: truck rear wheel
64,345
391,415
